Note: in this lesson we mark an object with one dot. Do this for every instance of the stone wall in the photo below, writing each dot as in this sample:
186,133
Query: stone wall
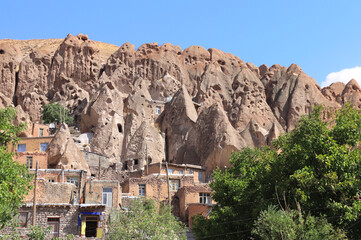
67,214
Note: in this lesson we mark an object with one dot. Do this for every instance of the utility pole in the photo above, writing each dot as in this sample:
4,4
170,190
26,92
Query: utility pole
35,186
166,166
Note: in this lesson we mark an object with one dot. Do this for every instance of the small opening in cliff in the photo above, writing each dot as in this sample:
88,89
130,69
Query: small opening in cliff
15,99
2,51
120,128
149,160
136,161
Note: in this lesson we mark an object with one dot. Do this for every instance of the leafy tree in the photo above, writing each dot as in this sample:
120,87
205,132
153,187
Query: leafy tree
317,165
145,220
14,178
277,224
54,112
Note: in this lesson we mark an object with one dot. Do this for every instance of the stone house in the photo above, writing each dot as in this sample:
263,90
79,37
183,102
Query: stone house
69,202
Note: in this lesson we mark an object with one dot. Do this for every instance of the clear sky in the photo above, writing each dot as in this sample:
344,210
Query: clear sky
321,36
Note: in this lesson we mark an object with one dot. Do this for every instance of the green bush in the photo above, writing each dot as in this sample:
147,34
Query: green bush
54,112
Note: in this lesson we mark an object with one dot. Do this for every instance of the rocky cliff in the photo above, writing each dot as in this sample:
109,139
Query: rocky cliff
161,102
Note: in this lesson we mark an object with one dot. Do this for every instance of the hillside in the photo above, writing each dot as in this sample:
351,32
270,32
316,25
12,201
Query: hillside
161,102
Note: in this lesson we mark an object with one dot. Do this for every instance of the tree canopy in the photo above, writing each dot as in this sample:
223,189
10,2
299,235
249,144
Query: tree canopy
14,178
315,168
55,112
145,220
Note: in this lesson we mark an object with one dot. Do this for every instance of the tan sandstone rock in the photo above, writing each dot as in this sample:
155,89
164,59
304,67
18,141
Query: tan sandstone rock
63,152
10,57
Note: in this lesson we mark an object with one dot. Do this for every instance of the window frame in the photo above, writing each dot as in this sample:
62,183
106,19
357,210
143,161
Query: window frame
200,176
41,147
107,196
73,180
204,198
141,190
41,132
21,145
170,171
31,160
174,185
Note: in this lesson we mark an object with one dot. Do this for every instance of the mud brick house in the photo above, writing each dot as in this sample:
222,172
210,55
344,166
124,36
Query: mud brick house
32,146
69,202
152,182
194,200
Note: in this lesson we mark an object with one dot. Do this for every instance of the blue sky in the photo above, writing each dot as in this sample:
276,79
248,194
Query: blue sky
321,36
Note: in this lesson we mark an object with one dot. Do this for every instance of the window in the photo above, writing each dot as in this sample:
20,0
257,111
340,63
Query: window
41,132
174,185
73,180
53,223
21,147
200,176
157,110
107,197
120,128
170,171
29,162
23,219
180,171
136,161
190,171
205,198
142,190
43,146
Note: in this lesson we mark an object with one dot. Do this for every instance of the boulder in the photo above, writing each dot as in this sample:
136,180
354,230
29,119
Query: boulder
63,152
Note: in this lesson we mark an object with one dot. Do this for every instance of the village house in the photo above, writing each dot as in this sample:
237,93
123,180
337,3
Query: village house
188,184
152,181
32,146
78,201
70,203
194,200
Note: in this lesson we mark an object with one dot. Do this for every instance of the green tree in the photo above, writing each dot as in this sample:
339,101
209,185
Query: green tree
14,178
317,165
55,112
145,220
274,224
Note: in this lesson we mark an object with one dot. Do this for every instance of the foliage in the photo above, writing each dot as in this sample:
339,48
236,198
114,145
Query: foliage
291,225
145,220
38,233
54,112
316,165
14,178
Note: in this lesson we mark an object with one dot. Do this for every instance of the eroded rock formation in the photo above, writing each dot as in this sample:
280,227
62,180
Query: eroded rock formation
63,153
159,102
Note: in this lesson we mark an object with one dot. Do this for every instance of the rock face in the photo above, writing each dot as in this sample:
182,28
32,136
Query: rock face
178,118
63,153
159,103
33,83
291,93
212,139
10,57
